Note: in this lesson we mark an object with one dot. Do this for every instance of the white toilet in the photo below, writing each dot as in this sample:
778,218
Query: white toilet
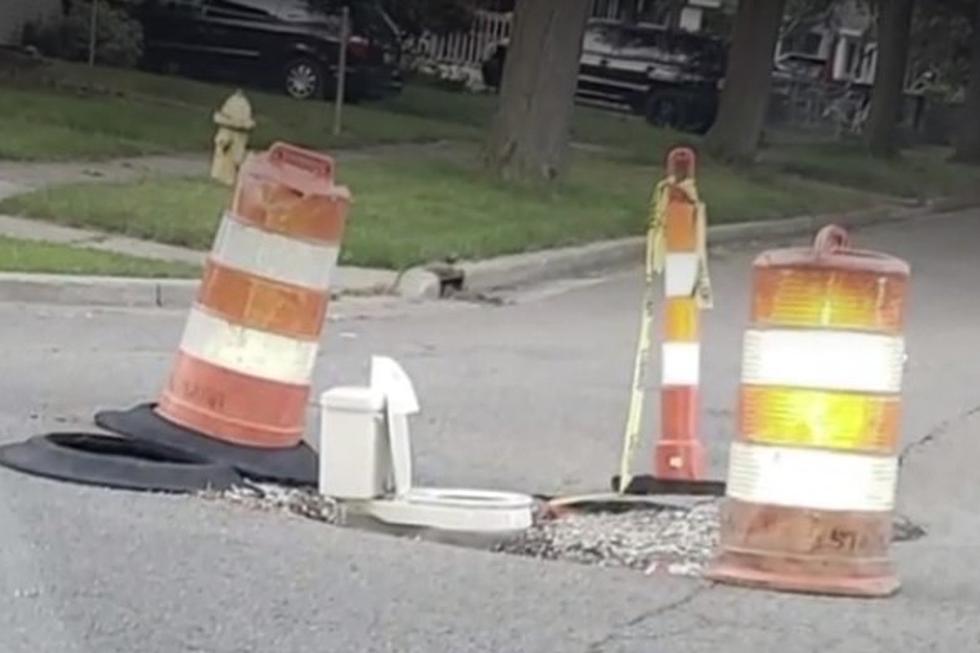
366,459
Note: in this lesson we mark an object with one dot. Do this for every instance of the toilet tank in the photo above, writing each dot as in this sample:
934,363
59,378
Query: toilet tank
354,458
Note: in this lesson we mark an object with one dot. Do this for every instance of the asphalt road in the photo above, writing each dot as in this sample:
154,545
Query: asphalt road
529,395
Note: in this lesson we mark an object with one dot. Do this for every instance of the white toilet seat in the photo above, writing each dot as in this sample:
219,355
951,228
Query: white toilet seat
452,509
446,509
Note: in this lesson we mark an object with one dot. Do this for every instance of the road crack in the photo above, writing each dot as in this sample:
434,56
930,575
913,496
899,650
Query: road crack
938,431
598,646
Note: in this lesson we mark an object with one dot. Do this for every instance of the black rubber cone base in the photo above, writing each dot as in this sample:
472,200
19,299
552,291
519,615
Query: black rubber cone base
295,465
647,484
115,462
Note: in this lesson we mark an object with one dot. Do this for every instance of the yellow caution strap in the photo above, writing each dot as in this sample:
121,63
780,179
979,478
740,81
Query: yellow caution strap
657,222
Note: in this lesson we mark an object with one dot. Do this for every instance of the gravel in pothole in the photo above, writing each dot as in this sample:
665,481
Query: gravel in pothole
677,541
673,540
269,497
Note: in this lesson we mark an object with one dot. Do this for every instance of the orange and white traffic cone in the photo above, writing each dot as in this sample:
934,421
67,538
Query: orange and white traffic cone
243,371
677,248
679,454
812,475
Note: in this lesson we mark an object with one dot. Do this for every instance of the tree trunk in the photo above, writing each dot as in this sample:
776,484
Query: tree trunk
745,98
968,138
530,134
894,26
629,11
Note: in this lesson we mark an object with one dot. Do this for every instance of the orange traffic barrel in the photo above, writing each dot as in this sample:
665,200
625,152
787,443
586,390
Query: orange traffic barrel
813,471
245,362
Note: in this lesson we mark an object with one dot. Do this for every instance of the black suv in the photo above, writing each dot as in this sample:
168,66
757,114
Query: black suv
292,44
671,77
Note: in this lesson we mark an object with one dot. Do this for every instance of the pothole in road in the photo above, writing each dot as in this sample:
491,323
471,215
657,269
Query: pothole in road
649,539
653,538
303,501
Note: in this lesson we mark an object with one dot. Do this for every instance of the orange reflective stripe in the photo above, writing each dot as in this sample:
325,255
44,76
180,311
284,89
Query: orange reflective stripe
679,413
679,228
819,418
234,407
830,298
259,303
681,319
277,208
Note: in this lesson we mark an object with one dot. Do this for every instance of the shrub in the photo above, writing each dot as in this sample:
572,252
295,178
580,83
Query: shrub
119,37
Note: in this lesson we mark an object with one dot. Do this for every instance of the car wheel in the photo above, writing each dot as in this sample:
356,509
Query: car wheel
665,110
303,79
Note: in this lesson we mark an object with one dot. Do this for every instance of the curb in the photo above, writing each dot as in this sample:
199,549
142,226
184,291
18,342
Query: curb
129,292
96,291
517,269
428,282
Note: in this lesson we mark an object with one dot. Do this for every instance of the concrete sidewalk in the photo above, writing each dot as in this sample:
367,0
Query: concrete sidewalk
149,292
18,177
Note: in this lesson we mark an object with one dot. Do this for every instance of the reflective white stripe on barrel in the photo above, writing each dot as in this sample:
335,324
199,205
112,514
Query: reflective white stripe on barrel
681,363
299,262
680,274
248,351
811,478
830,360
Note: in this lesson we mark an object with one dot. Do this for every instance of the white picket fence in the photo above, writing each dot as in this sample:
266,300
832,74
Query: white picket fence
458,56
490,27
467,48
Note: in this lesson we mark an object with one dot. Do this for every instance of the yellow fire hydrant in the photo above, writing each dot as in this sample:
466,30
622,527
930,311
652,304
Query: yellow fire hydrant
234,121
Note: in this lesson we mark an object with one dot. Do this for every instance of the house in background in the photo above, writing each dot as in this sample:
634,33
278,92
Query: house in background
688,15
15,14
838,41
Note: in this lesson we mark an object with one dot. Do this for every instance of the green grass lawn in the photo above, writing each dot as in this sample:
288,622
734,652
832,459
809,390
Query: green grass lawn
414,211
625,135
920,172
30,256
76,112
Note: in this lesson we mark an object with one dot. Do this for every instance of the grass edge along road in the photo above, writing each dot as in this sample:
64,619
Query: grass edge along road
409,211
32,256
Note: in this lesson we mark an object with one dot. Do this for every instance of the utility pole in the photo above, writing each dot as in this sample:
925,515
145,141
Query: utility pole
341,69
92,30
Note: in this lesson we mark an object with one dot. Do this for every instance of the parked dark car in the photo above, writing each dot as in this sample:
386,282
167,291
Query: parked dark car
671,77
290,44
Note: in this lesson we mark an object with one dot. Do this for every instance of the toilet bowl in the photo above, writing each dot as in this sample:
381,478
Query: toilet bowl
452,509
358,434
